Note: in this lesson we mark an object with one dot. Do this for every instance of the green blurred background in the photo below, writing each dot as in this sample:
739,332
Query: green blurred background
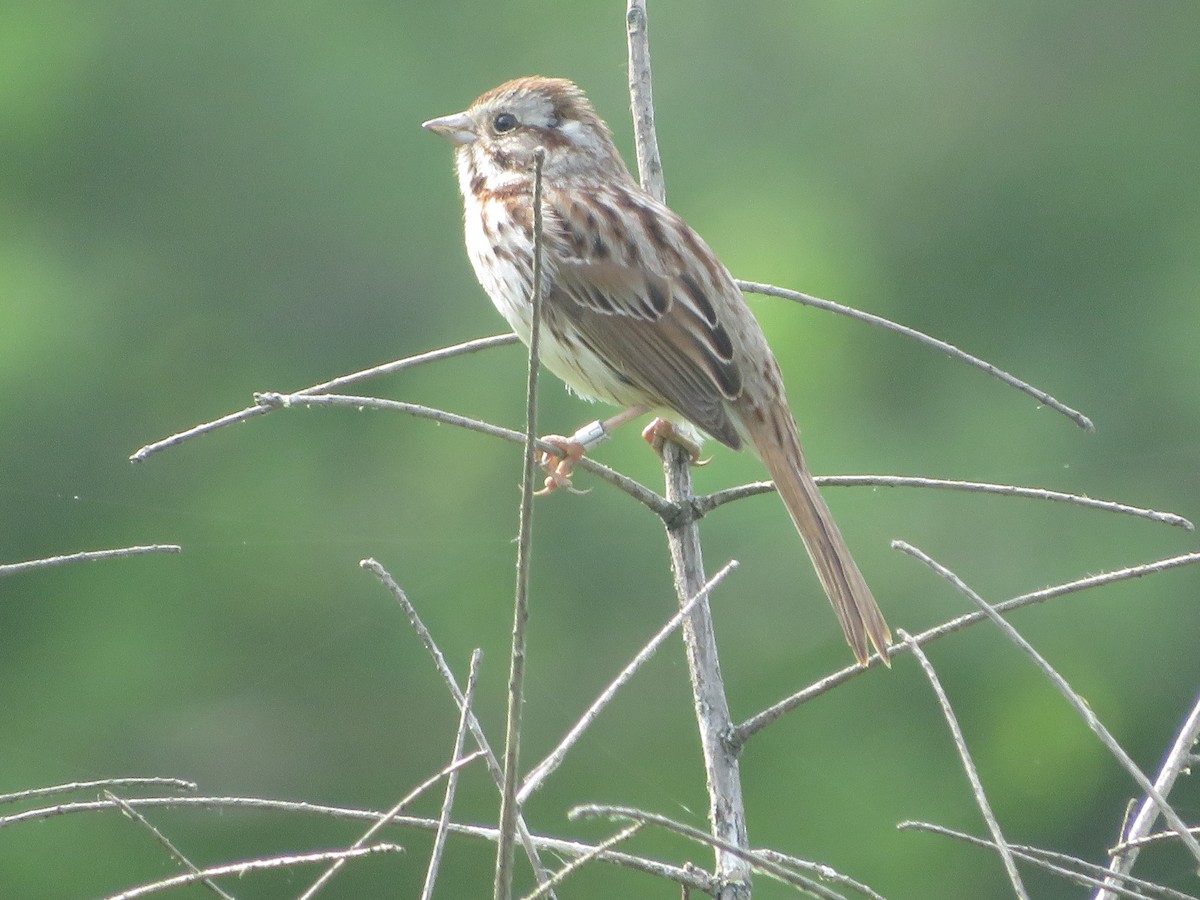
201,200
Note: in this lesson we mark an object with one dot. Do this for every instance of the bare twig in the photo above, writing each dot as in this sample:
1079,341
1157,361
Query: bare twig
321,395
580,861
1125,854
509,808
641,96
960,744
1072,697
761,720
1065,866
949,349
710,502
747,856
166,842
727,813
1158,837
691,877
554,759
32,793
822,871
439,839
642,494
86,556
439,661
387,818
498,340
241,869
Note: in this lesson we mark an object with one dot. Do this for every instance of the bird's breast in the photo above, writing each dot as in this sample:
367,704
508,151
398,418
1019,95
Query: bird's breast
500,247
501,253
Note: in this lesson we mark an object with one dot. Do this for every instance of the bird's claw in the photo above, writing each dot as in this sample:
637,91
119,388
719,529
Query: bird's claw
660,431
559,464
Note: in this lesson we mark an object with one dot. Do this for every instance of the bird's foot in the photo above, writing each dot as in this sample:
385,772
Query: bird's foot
559,464
660,431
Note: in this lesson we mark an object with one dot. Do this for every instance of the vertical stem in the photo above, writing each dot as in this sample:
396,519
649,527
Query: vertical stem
641,93
460,736
1177,761
509,808
727,814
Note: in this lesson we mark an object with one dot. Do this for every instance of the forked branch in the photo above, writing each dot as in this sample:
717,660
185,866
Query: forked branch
1077,703
761,720
1178,760
960,744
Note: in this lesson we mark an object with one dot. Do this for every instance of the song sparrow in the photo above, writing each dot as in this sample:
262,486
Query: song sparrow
637,310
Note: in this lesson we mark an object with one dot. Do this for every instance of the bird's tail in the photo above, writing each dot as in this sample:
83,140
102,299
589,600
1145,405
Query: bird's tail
852,600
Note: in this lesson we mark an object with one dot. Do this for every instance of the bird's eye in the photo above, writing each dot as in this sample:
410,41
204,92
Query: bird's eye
504,122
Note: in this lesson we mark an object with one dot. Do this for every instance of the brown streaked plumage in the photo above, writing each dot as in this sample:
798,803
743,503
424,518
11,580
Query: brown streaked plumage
638,311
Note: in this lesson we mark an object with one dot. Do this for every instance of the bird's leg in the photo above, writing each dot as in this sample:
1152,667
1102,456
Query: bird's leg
660,431
558,465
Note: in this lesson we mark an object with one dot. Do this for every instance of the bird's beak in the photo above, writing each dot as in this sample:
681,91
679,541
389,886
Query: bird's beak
457,128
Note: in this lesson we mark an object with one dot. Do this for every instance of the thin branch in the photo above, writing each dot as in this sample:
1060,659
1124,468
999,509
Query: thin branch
439,661
949,349
387,818
964,754
439,839
486,343
580,861
319,395
761,720
691,877
708,503
86,556
32,793
1058,864
1047,859
554,759
509,808
641,95
642,494
254,865
1072,697
1125,854
827,873
1158,837
783,873
166,842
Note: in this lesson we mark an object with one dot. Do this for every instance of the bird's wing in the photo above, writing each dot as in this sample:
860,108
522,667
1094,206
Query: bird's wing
645,293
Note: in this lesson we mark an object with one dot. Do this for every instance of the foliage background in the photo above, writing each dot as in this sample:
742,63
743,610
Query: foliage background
202,200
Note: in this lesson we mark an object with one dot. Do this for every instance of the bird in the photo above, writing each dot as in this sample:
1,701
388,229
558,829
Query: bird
637,310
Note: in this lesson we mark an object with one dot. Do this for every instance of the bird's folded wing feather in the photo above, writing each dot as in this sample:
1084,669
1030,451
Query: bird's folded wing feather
651,320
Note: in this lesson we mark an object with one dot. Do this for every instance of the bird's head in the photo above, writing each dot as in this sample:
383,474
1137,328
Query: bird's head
501,131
